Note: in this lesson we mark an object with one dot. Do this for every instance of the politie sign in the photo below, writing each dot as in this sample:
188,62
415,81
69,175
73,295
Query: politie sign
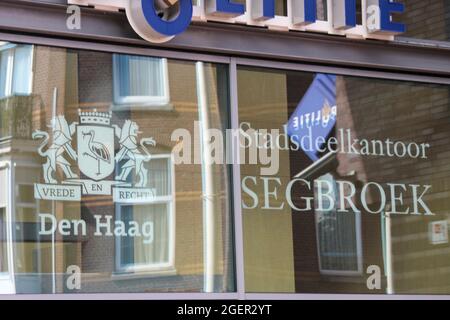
161,20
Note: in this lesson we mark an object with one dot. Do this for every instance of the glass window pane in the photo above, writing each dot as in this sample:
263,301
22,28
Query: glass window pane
343,177
153,250
337,235
139,76
103,202
22,70
161,171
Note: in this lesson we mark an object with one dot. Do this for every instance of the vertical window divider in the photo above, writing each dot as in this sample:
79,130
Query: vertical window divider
238,228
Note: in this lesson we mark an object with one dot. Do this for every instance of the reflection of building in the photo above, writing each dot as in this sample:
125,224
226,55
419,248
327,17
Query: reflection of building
64,82
330,251
17,105
414,257
427,20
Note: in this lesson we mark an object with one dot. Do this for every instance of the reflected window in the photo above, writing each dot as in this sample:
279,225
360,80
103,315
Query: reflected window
351,192
151,251
95,188
15,70
154,249
141,81
338,234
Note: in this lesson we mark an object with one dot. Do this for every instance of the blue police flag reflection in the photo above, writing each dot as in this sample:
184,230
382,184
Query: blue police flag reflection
315,116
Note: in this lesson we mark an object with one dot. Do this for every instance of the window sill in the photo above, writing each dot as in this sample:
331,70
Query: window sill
133,275
143,106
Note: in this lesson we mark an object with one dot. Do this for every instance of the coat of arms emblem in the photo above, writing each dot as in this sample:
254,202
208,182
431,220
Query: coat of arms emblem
102,171
95,139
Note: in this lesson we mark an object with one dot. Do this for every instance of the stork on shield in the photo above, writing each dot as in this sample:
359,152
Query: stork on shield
96,151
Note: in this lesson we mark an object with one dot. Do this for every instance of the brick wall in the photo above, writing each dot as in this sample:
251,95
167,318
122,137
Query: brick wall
405,112
427,19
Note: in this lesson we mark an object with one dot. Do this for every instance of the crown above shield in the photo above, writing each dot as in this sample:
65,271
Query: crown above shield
94,117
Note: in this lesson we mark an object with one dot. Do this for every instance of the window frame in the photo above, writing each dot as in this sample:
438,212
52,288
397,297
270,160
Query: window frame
169,200
9,78
141,102
359,251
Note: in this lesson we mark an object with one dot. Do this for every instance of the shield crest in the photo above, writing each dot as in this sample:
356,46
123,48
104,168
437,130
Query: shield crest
96,151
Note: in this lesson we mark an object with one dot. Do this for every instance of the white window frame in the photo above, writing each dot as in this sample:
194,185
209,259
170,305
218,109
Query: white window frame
11,48
359,252
142,102
7,279
153,268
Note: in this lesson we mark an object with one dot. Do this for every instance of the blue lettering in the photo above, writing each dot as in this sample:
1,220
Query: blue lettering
310,11
150,25
269,8
229,7
170,27
387,7
350,13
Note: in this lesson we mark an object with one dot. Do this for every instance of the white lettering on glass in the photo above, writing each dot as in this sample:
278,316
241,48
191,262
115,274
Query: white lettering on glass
372,197
104,227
